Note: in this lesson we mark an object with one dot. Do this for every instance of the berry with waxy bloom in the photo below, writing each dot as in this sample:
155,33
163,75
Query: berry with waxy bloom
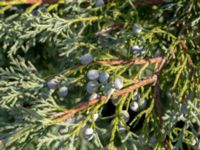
63,130
118,83
52,84
134,106
94,117
125,115
108,89
114,100
184,109
153,141
63,91
86,59
190,96
92,86
70,120
79,118
40,8
103,77
137,29
143,104
137,48
89,134
136,96
93,96
122,128
93,74
66,129
99,3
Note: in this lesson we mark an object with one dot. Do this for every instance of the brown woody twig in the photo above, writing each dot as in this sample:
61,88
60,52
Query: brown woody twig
156,95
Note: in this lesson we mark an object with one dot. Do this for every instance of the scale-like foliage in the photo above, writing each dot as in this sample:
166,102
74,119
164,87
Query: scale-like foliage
86,74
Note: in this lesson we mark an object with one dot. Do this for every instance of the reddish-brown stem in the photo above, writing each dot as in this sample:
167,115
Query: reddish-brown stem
156,95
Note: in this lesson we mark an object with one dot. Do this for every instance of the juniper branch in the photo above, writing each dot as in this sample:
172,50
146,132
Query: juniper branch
70,113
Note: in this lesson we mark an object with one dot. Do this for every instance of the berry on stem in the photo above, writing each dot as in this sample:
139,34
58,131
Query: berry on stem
125,115
184,109
136,96
95,117
79,118
86,59
134,106
92,86
63,91
118,83
137,29
143,104
93,74
70,121
52,84
93,96
137,48
153,141
103,77
108,89
122,128
89,134
114,100
99,3
63,130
